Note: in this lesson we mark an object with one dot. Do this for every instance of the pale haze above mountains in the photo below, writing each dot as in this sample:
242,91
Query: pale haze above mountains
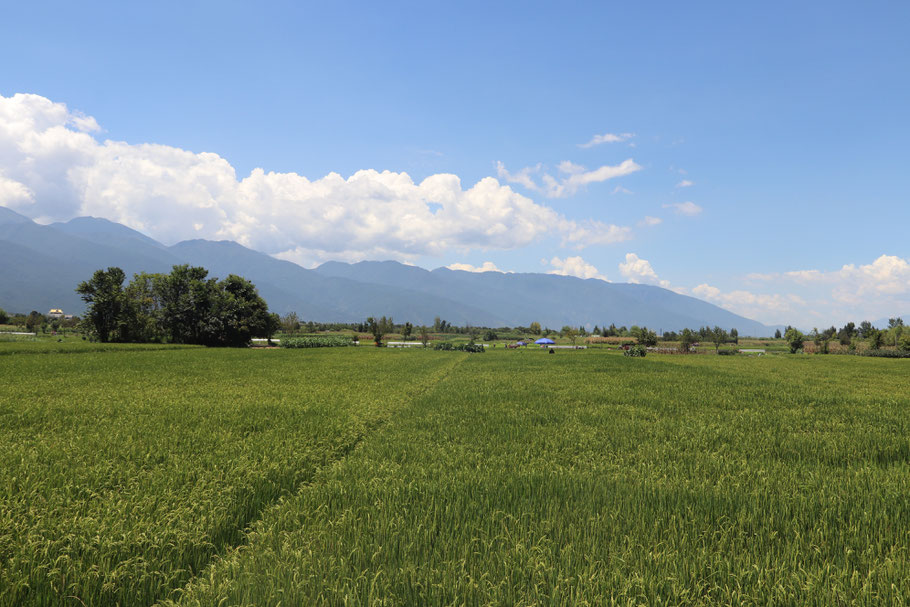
42,264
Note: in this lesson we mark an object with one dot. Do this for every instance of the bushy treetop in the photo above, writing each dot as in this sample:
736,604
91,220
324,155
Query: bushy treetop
184,306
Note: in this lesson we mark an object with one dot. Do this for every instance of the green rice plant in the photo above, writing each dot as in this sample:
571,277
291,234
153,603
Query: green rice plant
408,477
593,480
125,471
78,346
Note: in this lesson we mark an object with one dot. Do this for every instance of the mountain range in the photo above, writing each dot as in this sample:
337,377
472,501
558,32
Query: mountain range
40,266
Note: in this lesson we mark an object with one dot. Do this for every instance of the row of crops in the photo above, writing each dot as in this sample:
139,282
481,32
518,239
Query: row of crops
323,341
596,479
364,476
125,471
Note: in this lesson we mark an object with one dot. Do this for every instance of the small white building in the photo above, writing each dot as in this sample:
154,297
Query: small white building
55,313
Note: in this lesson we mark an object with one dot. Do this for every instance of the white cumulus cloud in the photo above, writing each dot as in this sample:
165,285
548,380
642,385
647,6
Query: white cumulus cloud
575,266
777,306
684,208
521,177
55,169
886,276
607,138
487,266
807,298
649,221
13,193
685,183
573,176
638,270
592,232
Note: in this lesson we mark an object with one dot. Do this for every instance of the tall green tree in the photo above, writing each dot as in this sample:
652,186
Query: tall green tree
141,319
794,339
239,314
876,339
686,339
379,328
645,336
718,337
106,303
846,334
895,329
290,322
184,306
187,298
34,320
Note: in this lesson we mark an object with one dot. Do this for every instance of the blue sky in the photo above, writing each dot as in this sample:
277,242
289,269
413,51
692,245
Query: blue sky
753,155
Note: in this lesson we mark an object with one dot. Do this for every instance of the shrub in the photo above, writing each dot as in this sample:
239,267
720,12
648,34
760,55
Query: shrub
885,353
876,339
727,352
795,340
646,337
904,343
637,351
327,341
469,347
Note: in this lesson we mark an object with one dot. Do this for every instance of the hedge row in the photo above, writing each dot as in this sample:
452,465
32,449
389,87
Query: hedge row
474,348
885,353
330,341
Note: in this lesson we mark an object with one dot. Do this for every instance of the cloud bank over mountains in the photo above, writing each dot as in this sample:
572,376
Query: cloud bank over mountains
55,165
53,168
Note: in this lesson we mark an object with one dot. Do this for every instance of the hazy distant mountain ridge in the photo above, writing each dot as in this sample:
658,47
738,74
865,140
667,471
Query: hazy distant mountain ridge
41,266
553,300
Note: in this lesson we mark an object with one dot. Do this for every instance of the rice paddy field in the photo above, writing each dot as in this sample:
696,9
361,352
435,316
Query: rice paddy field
366,476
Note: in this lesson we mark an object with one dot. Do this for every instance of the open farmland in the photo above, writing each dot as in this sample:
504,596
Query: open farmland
367,476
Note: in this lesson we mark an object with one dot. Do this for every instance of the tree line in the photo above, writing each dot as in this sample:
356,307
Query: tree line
895,335
184,307
35,321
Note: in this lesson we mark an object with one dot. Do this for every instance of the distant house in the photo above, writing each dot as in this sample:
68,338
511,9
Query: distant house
55,313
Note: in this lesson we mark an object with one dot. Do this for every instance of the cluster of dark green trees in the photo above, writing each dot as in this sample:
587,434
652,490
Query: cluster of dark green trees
184,306
895,335
36,321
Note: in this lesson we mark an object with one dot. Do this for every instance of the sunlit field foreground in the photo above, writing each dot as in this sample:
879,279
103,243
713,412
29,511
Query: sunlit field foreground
366,476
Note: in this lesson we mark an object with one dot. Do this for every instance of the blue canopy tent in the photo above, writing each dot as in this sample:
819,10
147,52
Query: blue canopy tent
544,341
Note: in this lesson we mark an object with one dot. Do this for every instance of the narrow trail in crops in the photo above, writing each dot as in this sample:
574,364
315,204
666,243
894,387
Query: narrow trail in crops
337,458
